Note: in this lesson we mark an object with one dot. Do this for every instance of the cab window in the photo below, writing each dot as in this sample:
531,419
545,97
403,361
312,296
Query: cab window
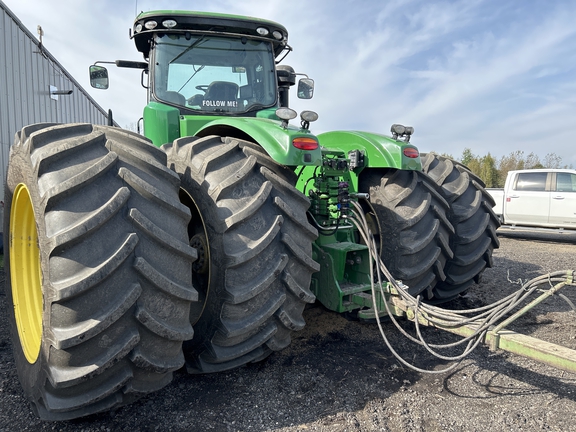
213,73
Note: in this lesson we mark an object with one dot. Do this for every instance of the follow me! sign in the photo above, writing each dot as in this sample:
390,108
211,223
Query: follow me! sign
220,103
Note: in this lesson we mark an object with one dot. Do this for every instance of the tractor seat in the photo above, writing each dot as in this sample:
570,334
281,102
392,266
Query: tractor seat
221,91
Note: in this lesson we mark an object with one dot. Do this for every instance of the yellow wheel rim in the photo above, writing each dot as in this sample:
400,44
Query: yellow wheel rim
25,273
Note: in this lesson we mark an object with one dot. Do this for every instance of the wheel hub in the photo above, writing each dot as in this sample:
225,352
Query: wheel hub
201,245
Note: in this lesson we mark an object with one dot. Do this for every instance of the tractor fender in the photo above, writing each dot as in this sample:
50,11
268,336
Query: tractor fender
381,151
274,138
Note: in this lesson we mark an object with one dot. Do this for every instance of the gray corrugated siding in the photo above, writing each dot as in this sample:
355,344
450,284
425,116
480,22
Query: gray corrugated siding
27,70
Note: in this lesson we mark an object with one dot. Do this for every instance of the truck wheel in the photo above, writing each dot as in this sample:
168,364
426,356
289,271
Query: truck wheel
98,280
255,246
411,226
475,223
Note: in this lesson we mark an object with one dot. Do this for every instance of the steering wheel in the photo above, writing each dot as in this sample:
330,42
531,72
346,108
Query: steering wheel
202,87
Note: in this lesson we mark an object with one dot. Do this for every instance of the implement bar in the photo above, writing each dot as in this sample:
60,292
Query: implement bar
498,337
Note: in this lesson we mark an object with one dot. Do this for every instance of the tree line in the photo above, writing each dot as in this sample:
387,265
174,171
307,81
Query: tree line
494,171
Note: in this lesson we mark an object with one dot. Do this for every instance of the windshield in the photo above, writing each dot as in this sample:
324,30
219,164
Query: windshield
214,74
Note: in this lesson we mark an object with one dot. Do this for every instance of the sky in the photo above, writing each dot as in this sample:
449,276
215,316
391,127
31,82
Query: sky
494,76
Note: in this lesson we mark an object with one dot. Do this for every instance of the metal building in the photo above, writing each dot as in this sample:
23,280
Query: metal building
35,88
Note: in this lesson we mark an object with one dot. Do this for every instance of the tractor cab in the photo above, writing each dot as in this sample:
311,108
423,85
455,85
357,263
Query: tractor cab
214,63
206,72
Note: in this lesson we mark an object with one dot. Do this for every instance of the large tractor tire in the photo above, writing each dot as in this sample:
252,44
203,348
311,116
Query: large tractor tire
411,226
255,261
474,221
98,277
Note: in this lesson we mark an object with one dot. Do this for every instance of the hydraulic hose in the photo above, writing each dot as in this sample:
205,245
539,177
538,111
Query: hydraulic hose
483,318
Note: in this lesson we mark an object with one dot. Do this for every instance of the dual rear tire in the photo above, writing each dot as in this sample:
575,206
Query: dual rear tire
101,283
436,228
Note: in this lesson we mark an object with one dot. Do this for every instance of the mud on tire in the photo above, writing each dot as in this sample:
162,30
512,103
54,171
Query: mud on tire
474,222
98,276
414,231
256,244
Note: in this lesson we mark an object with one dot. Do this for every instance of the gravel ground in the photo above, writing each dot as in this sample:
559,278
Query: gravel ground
338,376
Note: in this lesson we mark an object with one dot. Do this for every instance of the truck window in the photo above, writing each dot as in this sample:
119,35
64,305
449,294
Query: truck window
531,181
565,182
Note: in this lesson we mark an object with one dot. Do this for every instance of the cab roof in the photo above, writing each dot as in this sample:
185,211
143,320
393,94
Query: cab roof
177,21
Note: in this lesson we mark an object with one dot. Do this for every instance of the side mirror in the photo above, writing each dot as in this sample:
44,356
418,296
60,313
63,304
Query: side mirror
305,88
99,77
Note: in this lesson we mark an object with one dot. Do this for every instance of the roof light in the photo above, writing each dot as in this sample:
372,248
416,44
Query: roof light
411,152
286,113
138,28
305,143
277,34
169,23
262,31
399,130
150,25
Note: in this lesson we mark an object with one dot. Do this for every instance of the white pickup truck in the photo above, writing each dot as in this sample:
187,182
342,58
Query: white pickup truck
537,197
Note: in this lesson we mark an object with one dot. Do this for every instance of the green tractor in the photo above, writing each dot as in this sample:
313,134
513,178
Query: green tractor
230,224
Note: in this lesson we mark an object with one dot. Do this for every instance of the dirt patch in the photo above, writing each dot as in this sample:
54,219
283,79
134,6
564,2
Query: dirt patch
338,376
